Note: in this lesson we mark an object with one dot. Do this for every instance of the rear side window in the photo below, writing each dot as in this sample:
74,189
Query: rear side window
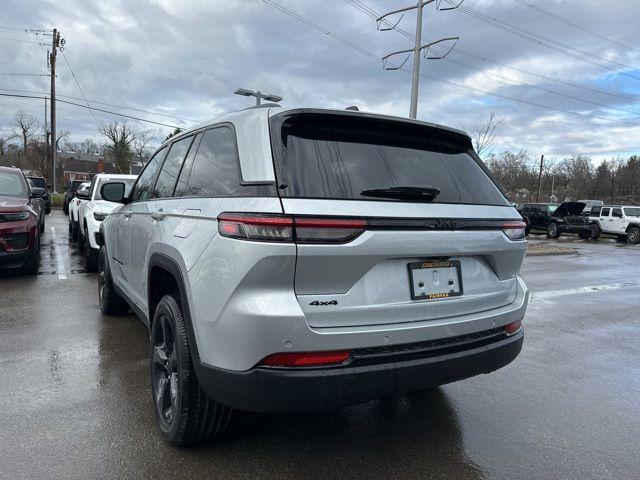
142,189
171,168
617,212
354,158
216,170
605,212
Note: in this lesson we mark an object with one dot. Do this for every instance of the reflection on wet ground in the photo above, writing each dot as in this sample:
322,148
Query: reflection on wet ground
76,397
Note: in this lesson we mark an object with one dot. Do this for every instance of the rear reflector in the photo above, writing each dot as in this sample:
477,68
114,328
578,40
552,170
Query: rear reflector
513,327
514,230
286,228
305,359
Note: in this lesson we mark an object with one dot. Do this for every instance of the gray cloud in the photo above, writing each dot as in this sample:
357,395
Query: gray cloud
185,58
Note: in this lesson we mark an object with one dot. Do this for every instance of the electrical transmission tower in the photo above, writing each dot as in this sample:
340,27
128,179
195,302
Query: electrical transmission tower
418,47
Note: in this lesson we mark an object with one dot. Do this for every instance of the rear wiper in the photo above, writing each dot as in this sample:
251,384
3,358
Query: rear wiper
420,194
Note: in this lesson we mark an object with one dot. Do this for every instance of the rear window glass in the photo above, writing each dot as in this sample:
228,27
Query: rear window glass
632,212
342,157
38,182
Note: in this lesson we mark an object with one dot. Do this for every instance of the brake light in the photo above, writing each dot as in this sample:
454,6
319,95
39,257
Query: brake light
305,359
514,230
285,228
513,327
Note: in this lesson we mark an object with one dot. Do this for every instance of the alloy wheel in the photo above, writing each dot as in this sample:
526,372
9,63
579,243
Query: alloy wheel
164,369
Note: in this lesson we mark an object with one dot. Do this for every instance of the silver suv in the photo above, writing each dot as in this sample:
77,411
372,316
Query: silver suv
294,260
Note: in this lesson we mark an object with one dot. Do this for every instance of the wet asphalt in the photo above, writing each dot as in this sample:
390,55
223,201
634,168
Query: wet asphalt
75,397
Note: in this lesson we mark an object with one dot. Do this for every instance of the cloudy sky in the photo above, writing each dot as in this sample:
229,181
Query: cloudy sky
566,78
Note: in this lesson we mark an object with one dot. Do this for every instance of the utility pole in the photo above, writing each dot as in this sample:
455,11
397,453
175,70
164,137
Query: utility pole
55,44
46,141
418,47
540,178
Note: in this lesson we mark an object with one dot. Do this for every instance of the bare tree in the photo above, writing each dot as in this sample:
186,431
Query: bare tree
142,143
120,138
485,135
5,138
61,135
26,125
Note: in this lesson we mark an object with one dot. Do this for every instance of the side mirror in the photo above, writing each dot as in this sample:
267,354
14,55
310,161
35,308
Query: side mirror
113,192
37,192
84,194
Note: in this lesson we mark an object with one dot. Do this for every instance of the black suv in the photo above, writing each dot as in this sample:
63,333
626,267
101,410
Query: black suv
568,218
69,193
41,182
537,215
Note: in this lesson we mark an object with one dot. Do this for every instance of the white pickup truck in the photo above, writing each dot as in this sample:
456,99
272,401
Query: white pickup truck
622,221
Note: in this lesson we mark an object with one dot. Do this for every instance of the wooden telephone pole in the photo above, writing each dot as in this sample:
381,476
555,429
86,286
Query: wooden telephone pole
55,44
540,178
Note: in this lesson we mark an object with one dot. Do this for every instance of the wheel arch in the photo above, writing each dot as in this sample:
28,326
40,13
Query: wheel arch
164,276
632,225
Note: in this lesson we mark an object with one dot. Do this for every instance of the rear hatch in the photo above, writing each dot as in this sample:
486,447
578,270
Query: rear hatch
398,221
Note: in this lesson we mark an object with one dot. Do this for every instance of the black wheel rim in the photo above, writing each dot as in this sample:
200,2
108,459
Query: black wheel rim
164,369
633,236
553,229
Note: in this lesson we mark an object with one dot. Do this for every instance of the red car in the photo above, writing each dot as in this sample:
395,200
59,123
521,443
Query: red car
21,221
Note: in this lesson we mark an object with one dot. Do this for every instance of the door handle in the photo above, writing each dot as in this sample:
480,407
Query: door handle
159,215
127,214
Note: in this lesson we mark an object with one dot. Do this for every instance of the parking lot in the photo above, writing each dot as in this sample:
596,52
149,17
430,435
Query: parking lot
77,403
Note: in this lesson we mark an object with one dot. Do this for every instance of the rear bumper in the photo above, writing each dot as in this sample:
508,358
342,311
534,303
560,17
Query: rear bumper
286,390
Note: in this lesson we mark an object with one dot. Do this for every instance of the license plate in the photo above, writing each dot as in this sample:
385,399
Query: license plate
433,279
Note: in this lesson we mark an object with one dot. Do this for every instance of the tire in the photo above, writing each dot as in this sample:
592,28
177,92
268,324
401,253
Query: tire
48,210
633,235
90,256
42,225
527,228
553,231
65,209
80,239
31,267
110,302
596,231
185,414
584,235
73,228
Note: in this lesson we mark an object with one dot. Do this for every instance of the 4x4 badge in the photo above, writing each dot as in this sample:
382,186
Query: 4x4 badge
323,304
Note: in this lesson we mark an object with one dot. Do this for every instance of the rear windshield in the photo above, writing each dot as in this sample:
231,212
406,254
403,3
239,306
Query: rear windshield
12,185
342,157
74,185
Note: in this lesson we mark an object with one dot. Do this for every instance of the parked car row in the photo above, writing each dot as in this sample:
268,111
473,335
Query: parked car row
22,220
585,218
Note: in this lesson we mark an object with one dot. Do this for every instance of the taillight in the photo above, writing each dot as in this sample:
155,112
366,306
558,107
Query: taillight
306,359
513,327
285,228
514,230
269,228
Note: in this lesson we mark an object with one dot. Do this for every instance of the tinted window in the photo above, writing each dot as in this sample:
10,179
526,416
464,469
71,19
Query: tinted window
632,212
38,182
342,157
183,179
171,168
617,212
216,170
142,189
605,212
595,211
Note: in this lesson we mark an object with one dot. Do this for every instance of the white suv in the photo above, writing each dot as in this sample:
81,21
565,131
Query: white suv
298,260
81,196
91,213
623,221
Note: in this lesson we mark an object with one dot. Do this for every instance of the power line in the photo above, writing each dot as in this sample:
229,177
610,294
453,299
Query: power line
371,13
449,82
92,108
66,60
575,25
25,74
458,51
546,42
105,104
20,41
